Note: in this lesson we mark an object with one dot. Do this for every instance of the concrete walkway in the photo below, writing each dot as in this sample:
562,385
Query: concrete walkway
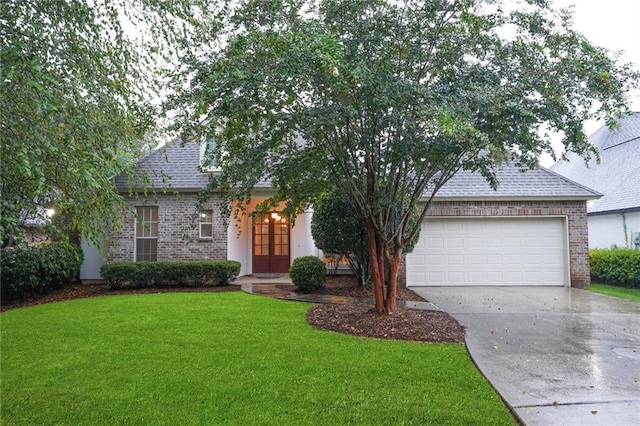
557,356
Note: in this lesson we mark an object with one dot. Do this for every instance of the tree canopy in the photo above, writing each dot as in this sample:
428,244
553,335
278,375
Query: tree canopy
386,100
75,102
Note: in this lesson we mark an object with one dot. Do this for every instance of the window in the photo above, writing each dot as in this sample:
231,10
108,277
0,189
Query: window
146,234
208,158
206,224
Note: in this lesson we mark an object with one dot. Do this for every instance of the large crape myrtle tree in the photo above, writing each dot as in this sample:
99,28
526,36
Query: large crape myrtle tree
386,101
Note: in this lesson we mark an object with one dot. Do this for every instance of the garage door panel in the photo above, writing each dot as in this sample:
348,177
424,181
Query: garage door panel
532,241
454,243
533,276
420,245
475,277
513,259
454,226
552,259
439,226
437,277
456,277
550,241
434,242
474,259
488,251
493,277
474,242
512,242
491,242
514,276
488,226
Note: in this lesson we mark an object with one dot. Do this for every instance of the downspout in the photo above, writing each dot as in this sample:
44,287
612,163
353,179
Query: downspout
624,229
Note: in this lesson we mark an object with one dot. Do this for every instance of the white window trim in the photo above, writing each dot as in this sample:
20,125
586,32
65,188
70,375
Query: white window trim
135,234
202,216
203,152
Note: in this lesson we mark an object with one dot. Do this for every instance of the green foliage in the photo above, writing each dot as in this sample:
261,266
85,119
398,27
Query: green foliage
60,263
20,272
335,227
308,273
386,101
163,274
336,230
74,96
26,271
615,266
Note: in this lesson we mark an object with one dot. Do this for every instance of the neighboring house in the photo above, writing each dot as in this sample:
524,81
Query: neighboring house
614,219
531,231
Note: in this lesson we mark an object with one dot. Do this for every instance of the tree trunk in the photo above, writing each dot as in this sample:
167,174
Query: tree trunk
384,272
391,301
377,276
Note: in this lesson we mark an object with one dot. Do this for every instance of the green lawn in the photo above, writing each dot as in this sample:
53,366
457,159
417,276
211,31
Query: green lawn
224,358
622,292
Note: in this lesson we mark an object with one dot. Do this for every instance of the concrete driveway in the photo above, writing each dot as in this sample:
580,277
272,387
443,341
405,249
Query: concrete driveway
557,356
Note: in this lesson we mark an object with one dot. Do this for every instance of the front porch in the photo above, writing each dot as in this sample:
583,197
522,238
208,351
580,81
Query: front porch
266,244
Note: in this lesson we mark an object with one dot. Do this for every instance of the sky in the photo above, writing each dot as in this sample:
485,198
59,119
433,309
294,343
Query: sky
612,24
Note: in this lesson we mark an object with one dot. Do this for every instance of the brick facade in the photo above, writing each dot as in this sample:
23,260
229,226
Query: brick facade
574,211
178,233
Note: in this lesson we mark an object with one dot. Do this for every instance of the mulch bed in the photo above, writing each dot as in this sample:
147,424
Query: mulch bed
405,324
355,319
363,320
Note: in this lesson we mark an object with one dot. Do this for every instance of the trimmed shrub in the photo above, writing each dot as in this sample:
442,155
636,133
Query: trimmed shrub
616,266
308,273
20,272
60,263
165,274
27,271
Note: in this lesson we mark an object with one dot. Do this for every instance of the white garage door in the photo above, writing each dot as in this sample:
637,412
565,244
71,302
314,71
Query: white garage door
488,251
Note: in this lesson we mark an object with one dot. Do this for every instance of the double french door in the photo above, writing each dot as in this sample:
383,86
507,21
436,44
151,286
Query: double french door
271,243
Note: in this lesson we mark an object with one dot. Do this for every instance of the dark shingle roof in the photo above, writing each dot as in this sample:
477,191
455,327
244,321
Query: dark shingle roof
539,183
181,163
617,175
175,166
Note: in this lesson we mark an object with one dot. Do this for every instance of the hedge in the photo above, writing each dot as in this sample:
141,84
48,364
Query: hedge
27,271
616,266
165,274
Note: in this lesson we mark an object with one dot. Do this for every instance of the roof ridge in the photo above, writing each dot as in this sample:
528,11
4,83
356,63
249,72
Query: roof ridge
622,143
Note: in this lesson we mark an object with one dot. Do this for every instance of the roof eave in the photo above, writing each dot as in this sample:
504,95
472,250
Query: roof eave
523,198
617,211
168,190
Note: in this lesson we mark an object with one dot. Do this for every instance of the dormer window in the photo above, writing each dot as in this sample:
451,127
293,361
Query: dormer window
208,159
